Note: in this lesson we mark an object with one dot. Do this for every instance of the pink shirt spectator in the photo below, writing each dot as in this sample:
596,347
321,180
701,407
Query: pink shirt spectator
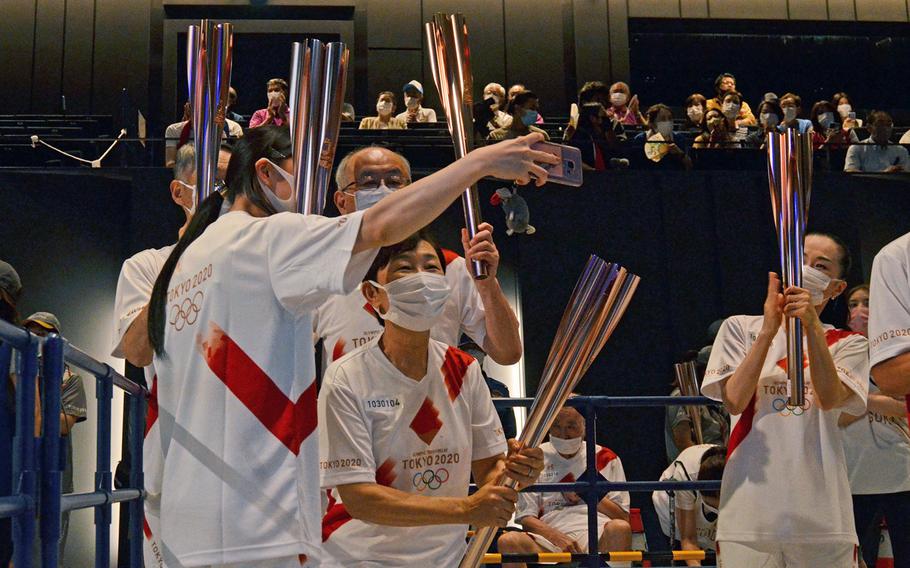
623,115
261,117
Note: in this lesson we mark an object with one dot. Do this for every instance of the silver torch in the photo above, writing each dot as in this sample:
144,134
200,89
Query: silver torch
600,299
687,379
318,72
209,50
450,62
790,180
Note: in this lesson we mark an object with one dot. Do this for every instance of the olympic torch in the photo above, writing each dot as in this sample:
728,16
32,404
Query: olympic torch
600,299
318,72
687,380
450,63
210,50
790,181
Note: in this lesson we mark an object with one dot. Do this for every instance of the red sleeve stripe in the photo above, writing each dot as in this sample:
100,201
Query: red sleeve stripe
336,515
152,413
604,457
742,428
454,369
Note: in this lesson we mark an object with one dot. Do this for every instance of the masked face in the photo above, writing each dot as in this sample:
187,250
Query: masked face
769,119
789,113
826,119
566,447
618,99
816,282
192,191
274,96
714,122
384,107
529,117
881,132
731,110
859,319
369,196
280,204
844,110
415,301
412,102
695,113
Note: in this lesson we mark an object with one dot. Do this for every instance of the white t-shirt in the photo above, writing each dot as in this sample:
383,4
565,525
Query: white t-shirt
786,478
173,131
685,468
347,322
553,508
380,426
423,115
878,453
134,288
889,301
236,395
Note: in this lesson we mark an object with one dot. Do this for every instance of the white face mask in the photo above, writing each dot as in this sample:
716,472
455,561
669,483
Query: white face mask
383,107
789,113
192,188
370,196
826,119
816,282
695,113
496,98
567,447
280,205
730,110
273,96
411,102
618,99
665,128
768,119
416,301
844,110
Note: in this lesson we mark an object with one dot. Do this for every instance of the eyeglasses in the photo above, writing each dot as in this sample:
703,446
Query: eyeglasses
392,181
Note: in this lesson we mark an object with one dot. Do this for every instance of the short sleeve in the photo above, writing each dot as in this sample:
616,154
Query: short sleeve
345,442
613,471
73,396
853,163
684,499
904,158
431,115
134,288
851,359
487,437
172,133
727,354
311,257
257,118
889,307
529,505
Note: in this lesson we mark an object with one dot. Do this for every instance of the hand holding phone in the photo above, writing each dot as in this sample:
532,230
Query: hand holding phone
569,170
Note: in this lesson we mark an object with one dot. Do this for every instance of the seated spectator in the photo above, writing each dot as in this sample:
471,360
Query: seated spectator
590,92
792,104
695,512
501,119
413,97
277,112
679,433
558,522
597,136
661,145
845,110
826,132
695,112
229,109
731,107
716,134
72,412
179,133
770,97
623,106
523,109
770,116
518,88
877,153
347,112
726,83
384,120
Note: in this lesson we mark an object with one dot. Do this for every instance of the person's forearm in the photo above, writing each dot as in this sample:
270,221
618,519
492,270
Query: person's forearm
136,345
887,406
407,210
502,342
383,505
740,387
612,510
830,392
893,375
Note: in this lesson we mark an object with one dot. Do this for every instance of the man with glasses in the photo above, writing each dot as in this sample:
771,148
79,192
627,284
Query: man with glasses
476,308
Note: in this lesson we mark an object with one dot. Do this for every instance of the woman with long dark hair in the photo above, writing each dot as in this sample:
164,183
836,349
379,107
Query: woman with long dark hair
230,323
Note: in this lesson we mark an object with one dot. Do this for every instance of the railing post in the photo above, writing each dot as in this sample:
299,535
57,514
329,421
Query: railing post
24,474
103,481
137,478
592,497
51,468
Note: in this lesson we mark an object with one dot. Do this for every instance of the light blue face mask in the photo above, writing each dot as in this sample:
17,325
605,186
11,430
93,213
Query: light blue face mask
370,196
529,117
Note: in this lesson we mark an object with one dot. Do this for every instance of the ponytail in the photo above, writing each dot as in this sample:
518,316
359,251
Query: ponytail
206,214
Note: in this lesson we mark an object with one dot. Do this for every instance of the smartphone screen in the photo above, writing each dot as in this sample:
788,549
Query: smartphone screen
568,171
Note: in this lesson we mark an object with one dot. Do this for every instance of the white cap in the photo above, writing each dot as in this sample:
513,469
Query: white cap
416,84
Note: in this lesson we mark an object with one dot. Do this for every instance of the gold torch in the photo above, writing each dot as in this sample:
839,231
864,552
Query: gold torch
687,380
318,72
790,180
450,62
600,299
209,50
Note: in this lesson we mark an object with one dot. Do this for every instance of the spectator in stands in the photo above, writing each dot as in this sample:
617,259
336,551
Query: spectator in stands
826,132
770,116
232,102
679,433
731,107
347,112
590,92
695,112
501,119
73,408
413,97
523,109
623,106
277,112
558,522
726,83
384,119
695,512
877,153
179,133
519,88
597,136
716,134
845,110
661,145
792,104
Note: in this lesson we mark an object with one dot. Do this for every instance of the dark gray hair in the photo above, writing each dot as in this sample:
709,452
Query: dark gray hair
185,163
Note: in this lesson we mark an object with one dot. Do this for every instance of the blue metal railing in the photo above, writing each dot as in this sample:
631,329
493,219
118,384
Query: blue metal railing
27,505
589,486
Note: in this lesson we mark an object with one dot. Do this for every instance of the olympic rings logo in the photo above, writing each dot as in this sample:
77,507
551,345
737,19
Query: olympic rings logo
430,479
186,312
780,405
